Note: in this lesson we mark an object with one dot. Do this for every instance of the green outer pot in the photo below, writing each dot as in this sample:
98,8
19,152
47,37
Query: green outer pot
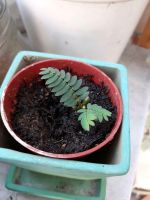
27,73
48,186
120,161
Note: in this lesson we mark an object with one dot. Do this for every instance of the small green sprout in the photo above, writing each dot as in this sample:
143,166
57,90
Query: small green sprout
90,113
72,94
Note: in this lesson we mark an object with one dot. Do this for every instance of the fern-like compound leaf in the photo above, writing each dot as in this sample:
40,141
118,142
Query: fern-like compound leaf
65,85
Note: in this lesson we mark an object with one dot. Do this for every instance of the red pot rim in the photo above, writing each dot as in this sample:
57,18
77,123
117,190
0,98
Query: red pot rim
72,155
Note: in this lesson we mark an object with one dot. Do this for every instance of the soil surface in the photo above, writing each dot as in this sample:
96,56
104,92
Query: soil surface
42,121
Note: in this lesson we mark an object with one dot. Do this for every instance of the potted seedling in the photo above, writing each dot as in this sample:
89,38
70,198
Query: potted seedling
61,108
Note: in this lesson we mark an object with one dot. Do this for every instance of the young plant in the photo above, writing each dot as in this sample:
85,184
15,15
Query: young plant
72,94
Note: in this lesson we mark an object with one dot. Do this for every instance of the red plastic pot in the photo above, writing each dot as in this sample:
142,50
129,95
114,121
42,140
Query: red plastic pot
28,73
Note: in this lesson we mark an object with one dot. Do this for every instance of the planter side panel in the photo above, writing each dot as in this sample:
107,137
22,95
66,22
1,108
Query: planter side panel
110,161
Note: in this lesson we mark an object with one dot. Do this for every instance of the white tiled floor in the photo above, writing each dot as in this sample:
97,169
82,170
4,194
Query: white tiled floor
118,188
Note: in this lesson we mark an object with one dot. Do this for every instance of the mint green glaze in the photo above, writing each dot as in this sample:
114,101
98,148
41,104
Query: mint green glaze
70,168
53,186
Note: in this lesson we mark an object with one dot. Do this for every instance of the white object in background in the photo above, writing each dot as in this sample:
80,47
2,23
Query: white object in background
97,29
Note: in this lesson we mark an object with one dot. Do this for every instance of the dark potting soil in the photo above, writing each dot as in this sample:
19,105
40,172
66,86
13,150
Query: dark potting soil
42,121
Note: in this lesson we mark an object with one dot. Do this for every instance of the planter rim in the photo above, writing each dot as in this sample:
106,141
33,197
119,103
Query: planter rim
70,155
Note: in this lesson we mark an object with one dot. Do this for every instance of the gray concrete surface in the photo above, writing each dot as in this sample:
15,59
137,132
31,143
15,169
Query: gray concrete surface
134,58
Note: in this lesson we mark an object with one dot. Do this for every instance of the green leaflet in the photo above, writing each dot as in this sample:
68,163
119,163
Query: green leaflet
47,70
84,96
62,74
73,80
47,76
84,122
63,91
55,83
52,79
77,85
81,110
66,96
106,114
44,71
87,117
97,110
91,123
59,87
90,113
101,113
67,77
81,91
70,103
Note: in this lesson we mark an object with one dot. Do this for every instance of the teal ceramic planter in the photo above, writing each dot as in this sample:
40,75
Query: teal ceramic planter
112,160
54,187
